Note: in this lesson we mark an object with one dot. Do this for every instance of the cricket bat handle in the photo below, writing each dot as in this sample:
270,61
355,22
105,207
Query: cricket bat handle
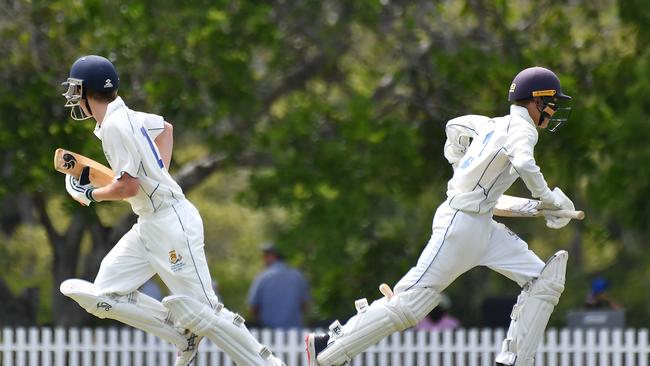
577,215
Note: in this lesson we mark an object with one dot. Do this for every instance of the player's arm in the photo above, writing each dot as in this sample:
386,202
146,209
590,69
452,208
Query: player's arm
165,143
124,158
460,131
520,151
124,187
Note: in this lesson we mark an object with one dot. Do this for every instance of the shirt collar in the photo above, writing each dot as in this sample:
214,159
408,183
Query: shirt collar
277,264
110,108
521,112
113,106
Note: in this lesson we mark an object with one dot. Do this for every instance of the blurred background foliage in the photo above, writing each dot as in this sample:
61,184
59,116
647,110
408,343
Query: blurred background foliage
320,125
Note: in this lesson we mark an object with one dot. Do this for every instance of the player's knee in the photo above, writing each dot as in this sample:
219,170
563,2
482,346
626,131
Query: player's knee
84,293
411,306
77,289
550,283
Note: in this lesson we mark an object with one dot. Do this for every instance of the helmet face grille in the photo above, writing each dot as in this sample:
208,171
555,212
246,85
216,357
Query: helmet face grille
556,111
73,97
74,93
559,118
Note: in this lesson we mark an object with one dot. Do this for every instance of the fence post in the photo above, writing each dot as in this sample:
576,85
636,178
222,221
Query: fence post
86,346
73,334
409,347
591,347
473,347
33,346
630,346
565,343
577,346
138,347
125,345
552,347
460,348
421,347
448,347
603,347
7,346
644,347
20,346
617,345
293,351
485,347
100,342
60,347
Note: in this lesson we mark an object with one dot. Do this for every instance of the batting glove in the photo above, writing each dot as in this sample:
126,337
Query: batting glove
562,202
80,189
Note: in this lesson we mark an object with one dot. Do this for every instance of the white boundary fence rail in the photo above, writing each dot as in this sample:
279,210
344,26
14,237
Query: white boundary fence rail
463,347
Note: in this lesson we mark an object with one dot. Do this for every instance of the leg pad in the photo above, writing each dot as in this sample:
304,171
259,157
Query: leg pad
532,311
382,318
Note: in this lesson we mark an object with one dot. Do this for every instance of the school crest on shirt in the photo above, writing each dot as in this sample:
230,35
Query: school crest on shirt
176,261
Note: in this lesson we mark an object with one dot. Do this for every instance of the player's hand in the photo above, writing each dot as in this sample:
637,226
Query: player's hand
561,202
80,189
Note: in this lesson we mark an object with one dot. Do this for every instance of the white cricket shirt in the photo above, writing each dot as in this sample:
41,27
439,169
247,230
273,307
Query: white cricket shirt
501,150
128,142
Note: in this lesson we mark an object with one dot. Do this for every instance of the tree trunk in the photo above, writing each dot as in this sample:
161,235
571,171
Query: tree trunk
65,248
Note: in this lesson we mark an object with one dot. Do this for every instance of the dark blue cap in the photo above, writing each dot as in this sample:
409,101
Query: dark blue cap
599,285
535,82
97,73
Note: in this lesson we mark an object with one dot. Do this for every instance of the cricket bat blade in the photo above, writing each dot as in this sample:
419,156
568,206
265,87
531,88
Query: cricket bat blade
69,162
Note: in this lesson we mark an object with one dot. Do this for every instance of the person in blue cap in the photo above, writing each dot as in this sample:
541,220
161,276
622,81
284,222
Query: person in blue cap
599,297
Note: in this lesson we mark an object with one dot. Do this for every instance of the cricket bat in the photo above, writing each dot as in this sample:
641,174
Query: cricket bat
68,162
510,206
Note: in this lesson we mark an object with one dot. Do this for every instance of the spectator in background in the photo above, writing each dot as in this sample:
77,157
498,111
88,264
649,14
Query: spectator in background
280,294
439,318
599,298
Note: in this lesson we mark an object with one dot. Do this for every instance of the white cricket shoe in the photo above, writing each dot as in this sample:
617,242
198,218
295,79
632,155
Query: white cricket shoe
315,343
187,356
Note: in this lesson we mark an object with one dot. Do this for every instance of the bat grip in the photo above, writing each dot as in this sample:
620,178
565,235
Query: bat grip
570,214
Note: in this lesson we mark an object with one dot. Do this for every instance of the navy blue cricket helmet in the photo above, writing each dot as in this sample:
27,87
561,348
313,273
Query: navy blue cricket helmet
535,82
89,72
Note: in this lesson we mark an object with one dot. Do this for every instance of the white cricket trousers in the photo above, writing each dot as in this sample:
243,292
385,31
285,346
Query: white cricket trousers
461,241
169,243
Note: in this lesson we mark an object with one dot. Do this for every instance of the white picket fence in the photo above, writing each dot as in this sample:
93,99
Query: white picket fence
463,347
